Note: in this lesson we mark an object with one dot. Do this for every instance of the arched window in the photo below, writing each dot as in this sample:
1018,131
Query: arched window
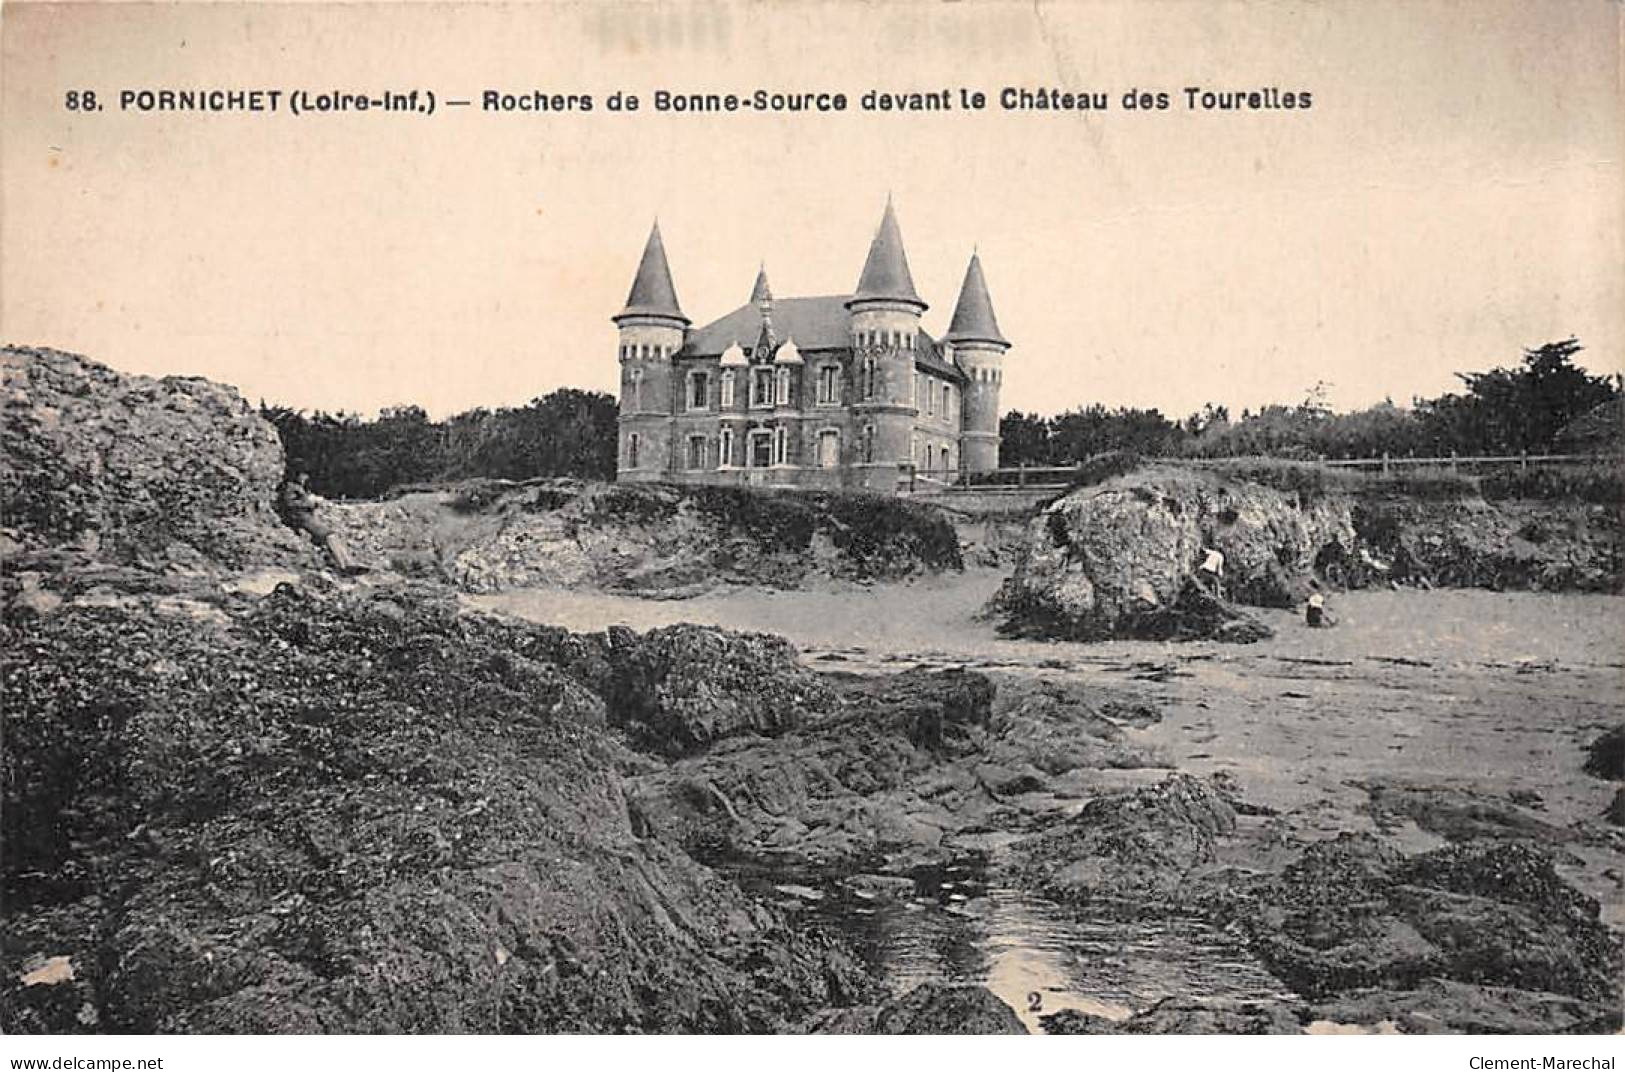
727,389
868,442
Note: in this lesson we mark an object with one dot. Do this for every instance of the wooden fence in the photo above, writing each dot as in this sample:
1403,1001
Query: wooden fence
1061,476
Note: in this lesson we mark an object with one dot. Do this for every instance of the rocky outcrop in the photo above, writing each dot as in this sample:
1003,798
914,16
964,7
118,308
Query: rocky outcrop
679,689
1466,542
663,541
1119,559
1354,915
177,473
929,1009
353,812
843,788
1605,757
1187,1016
1138,845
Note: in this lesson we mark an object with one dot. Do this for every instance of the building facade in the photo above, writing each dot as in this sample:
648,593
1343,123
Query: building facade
844,390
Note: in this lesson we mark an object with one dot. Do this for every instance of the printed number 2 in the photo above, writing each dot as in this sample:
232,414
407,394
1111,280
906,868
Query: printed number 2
82,100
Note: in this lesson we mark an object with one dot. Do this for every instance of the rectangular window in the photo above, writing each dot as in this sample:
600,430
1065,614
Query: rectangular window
781,396
696,452
781,447
761,387
761,450
632,451
727,390
829,449
930,399
947,400
725,443
829,385
699,390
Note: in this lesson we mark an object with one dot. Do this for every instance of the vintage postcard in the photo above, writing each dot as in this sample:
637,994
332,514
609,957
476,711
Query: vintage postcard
725,518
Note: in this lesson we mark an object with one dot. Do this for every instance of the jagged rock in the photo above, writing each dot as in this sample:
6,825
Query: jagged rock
1188,1016
353,812
1467,542
847,779
1118,558
1077,1022
1605,757
681,688
173,473
929,1009
1457,814
675,541
1616,809
1353,914
1137,844
1444,1006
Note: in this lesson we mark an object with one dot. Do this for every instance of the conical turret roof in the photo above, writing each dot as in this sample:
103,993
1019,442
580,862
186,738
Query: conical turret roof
652,293
761,291
973,315
885,273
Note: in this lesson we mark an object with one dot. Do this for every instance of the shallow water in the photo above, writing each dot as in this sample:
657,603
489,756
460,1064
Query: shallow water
955,923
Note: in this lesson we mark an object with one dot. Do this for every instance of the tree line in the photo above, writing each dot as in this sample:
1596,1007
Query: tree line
566,433
1541,405
1534,407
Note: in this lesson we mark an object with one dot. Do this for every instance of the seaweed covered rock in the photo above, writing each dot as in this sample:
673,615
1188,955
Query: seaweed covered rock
1605,757
929,1009
355,812
1187,1016
1444,1006
1119,559
1354,915
1133,845
841,788
680,688
176,473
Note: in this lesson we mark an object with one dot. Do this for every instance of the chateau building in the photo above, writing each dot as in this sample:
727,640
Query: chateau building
844,390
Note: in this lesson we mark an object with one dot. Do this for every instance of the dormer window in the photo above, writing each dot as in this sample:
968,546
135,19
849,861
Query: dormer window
727,388
781,394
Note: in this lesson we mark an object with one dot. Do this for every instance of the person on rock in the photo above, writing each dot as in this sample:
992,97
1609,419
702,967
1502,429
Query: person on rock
1315,615
1210,574
299,509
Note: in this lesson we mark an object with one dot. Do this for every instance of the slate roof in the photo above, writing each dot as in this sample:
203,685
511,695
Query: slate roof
652,292
973,319
885,271
816,324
